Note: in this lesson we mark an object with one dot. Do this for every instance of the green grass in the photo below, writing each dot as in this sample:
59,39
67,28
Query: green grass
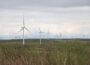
50,52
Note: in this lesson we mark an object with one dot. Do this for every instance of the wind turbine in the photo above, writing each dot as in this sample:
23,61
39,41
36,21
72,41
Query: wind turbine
23,28
48,34
40,32
56,36
60,35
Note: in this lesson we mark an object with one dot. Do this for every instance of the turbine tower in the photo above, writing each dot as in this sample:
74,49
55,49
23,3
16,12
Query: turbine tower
23,28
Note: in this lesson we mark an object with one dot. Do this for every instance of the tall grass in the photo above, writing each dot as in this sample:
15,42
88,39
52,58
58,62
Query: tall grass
48,53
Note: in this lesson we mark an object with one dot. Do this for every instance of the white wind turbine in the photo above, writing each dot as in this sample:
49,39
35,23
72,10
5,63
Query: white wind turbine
57,36
40,32
60,35
48,34
23,28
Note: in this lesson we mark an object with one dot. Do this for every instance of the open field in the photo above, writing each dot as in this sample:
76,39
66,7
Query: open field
50,52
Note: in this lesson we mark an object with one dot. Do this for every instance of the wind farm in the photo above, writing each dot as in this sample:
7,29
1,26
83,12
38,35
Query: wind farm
44,32
44,50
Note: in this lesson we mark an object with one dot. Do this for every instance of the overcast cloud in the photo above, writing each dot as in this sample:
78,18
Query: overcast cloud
60,16
44,3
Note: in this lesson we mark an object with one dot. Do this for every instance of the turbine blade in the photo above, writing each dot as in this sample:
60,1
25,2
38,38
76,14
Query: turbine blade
27,29
20,30
23,21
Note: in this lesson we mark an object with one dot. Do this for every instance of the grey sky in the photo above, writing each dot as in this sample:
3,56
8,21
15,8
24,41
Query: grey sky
64,16
46,3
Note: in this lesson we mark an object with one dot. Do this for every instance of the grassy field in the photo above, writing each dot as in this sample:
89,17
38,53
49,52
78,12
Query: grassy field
50,52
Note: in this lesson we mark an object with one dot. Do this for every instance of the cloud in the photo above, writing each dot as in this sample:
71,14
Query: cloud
14,4
68,21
